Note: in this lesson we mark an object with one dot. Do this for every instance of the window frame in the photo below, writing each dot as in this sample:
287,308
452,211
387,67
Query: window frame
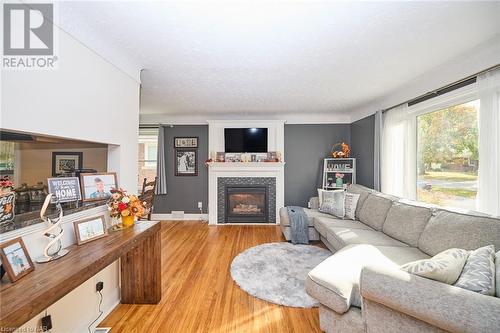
459,96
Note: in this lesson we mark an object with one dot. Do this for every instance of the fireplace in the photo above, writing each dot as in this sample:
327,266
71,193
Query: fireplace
246,204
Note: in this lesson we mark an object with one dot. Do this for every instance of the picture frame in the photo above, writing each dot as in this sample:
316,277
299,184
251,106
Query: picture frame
97,186
186,142
90,229
220,157
64,161
233,157
15,259
186,162
65,189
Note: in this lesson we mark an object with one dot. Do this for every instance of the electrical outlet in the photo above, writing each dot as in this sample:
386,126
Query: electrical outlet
99,286
46,323
200,204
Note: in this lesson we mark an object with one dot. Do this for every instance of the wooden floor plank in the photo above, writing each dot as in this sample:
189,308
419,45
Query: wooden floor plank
199,294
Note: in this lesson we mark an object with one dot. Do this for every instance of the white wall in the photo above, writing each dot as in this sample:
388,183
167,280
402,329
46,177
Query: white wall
86,98
479,58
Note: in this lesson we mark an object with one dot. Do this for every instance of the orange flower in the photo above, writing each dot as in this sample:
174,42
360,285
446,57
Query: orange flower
125,212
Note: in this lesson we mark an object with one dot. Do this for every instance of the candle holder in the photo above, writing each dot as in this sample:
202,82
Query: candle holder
54,232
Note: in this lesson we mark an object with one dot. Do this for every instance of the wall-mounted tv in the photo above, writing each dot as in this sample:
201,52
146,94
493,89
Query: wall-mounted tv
245,140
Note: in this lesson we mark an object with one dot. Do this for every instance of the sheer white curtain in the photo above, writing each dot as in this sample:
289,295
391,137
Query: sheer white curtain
161,169
398,165
488,197
377,154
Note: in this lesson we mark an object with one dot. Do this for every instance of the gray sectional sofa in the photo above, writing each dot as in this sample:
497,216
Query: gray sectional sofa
360,288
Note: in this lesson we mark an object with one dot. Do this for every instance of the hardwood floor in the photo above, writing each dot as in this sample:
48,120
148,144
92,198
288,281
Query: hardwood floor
198,292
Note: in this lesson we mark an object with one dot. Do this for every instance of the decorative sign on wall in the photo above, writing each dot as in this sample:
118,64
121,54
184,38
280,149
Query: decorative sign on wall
182,142
7,207
65,189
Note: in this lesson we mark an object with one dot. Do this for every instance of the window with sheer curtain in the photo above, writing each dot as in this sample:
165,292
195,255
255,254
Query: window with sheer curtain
446,150
148,150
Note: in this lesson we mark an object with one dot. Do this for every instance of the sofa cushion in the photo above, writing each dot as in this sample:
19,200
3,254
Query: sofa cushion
363,194
443,267
375,209
406,222
323,224
447,229
311,213
340,237
478,274
337,277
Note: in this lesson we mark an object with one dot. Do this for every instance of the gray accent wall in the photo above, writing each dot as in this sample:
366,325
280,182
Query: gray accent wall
362,147
305,148
183,193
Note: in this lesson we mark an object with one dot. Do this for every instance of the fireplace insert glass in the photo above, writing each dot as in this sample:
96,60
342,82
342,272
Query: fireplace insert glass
246,204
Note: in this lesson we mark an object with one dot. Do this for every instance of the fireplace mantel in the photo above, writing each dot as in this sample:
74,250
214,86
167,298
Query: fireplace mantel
249,169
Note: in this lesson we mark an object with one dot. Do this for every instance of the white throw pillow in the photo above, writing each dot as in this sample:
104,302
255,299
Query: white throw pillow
333,203
444,267
478,274
320,196
350,203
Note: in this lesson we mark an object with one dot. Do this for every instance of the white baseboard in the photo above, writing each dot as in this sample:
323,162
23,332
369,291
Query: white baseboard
186,217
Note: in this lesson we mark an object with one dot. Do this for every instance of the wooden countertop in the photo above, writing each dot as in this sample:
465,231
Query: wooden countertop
29,296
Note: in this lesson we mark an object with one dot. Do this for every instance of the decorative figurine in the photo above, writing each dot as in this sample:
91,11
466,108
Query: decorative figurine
54,249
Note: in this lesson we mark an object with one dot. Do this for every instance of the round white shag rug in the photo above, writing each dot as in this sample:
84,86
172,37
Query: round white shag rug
276,272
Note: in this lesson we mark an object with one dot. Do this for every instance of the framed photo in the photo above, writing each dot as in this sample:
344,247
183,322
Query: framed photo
16,259
65,189
186,163
186,142
233,157
97,186
220,157
64,162
90,229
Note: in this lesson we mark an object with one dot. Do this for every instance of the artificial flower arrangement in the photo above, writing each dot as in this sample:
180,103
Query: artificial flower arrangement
122,204
6,185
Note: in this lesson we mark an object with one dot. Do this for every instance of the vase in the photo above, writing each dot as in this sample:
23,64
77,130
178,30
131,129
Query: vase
128,221
339,182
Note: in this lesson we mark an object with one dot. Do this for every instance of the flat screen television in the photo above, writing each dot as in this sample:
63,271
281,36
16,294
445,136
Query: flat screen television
245,140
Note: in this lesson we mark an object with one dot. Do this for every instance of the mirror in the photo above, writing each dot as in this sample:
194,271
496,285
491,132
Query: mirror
27,160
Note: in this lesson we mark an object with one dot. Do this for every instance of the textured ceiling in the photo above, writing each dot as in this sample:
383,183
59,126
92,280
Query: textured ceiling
265,57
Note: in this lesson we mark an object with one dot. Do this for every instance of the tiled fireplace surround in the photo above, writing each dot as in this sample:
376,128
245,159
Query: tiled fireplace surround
224,182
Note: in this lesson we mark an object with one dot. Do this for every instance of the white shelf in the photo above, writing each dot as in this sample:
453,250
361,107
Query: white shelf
351,172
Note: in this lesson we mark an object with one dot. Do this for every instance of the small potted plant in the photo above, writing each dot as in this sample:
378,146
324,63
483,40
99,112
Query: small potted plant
128,207
339,179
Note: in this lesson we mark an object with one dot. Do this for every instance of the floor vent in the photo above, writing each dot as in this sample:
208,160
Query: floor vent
178,215
102,330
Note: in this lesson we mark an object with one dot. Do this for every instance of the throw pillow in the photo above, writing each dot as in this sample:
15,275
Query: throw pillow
333,203
350,204
497,265
324,194
445,266
479,271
